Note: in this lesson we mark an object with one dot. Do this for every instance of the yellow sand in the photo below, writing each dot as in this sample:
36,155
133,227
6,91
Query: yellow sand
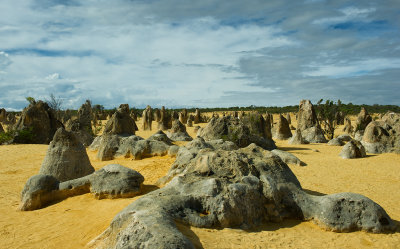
72,223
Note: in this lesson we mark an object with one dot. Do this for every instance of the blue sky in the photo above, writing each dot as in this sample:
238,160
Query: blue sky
205,53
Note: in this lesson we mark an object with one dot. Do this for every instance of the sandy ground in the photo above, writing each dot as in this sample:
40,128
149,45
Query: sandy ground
72,223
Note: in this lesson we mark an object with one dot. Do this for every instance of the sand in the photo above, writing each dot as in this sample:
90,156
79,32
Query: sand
74,222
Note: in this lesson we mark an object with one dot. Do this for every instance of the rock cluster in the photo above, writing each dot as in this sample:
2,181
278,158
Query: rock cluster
121,123
178,132
218,187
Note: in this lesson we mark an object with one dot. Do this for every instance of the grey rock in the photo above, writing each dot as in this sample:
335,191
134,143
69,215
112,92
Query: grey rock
335,142
178,132
306,117
380,137
344,137
38,191
108,147
313,135
288,157
173,150
358,135
66,157
160,136
353,149
115,181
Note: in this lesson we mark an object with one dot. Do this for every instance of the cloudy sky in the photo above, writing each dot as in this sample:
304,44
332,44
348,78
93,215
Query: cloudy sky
181,53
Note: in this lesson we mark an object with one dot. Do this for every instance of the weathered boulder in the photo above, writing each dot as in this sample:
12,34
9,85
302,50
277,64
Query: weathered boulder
250,129
66,157
112,181
178,132
282,129
288,157
38,191
344,137
160,136
121,122
353,149
239,188
297,138
380,137
82,126
314,135
335,142
115,181
147,118
37,124
363,119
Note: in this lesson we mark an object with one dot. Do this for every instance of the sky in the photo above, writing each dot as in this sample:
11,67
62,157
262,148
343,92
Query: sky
207,53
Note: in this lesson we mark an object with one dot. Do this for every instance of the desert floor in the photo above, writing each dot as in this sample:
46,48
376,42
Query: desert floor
74,222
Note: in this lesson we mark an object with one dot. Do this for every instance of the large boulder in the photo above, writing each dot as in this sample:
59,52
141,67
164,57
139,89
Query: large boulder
380,137
115,181
160,136
112,181
353,149
282,129
178,132
314,135
37,124
363,119
121,123
38,191
66,158
250,129
233,188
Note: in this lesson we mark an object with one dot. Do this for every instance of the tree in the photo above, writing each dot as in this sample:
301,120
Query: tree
54,102
31,100
327,115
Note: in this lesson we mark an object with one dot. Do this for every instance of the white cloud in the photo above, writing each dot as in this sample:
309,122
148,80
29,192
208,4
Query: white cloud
54,76
348,14
355,68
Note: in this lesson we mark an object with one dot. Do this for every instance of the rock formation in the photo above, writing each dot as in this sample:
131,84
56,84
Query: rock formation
288,118
307,123
3,115
363,119
347,127
189,122
66,157
178,132
382,136
353,149
121,122
218,188
183,116
197,117
251,129
297,138
147,118
112,181
282,129
163,123
82,126
37,124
